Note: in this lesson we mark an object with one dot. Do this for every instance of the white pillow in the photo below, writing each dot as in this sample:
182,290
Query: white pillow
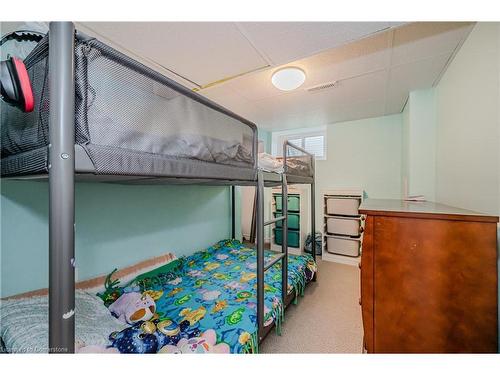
24,324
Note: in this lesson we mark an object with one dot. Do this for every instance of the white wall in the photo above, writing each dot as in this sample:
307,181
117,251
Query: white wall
467,149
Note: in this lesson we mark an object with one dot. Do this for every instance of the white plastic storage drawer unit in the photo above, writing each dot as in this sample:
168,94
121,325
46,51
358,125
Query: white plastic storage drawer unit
342,246
343,225
342,206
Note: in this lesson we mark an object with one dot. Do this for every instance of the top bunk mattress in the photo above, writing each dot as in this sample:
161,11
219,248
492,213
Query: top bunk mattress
130,120
298,165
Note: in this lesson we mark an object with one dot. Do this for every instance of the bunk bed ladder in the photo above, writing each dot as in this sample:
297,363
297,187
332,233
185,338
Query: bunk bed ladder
283,256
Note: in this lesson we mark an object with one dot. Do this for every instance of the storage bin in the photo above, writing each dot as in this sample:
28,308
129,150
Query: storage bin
342,206
293,220
293,237
343,225
342,246
293,203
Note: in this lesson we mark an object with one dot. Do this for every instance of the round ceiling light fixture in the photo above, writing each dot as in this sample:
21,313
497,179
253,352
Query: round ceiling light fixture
288,79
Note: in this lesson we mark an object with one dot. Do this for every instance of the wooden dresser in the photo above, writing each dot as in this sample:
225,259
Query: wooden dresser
428,278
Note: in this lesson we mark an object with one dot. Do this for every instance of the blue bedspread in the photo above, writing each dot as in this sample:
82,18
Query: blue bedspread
216,289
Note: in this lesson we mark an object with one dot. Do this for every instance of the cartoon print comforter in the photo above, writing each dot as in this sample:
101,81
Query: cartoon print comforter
214,289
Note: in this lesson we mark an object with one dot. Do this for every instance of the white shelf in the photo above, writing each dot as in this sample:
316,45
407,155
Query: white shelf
338,257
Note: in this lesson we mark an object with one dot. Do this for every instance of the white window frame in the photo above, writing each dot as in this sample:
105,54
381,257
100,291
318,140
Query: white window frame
279,137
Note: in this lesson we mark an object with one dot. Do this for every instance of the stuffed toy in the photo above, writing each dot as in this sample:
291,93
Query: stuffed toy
206,343
134,340
133,307
149,336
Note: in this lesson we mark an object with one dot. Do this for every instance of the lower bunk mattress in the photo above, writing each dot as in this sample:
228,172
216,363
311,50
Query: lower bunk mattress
207,302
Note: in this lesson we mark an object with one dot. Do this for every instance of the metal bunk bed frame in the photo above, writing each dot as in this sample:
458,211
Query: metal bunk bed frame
61,179
283,256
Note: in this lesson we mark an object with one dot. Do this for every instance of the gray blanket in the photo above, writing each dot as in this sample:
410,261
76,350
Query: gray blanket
25,326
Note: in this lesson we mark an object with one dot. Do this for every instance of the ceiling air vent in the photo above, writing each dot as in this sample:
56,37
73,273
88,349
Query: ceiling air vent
322,86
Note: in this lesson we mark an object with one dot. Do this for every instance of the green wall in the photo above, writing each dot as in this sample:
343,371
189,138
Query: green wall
116,225
266,137
405,143
468,115
461,128
362,154
451,132
419,144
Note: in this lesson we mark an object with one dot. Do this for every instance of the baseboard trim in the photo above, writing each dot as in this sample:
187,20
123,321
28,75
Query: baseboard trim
341,259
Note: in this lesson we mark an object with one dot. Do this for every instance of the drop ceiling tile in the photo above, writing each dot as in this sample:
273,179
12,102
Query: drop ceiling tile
420,40
413,76
256,86
395,101
369,55
368,84
370,108
360,57
140,58
282,42
231,100
361,88
366,109
313,109
293,121
347,91
203,52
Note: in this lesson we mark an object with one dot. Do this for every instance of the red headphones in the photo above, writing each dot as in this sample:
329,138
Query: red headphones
15,85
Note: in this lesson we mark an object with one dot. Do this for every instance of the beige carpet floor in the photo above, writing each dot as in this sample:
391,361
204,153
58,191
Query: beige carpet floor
327,319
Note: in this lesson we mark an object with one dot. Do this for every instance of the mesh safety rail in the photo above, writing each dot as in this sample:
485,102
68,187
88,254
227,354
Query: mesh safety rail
129,118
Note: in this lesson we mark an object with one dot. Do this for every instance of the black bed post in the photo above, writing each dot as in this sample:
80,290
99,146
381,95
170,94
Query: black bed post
260,254
61,188
233,212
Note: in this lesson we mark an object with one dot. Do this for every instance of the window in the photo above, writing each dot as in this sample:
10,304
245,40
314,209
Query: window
311,140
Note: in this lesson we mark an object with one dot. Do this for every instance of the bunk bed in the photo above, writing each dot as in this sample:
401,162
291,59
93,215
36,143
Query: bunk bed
105,117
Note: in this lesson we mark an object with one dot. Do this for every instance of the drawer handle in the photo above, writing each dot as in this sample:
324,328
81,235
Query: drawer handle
360,301
359,265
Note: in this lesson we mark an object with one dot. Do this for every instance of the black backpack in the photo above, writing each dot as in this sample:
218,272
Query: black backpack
308,244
